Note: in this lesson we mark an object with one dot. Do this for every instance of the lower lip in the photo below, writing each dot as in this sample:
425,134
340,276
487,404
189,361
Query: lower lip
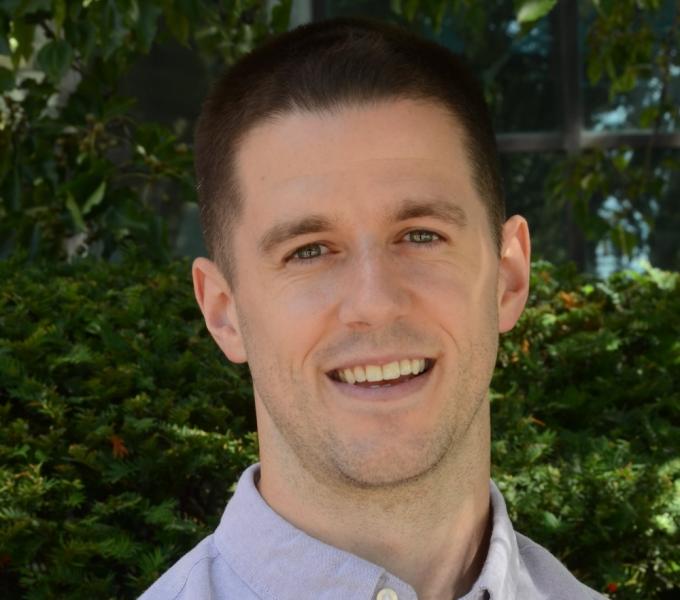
384,393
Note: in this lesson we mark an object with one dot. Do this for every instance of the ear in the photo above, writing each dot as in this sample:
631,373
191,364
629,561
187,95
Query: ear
513,272
219,310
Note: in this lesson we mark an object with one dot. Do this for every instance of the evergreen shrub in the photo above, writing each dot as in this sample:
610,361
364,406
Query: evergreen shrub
123,428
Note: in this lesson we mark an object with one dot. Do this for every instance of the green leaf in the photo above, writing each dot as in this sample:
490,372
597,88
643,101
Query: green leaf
410,9
55,58
439,17
280,18
116,30
23,34
177,23
147,24
649,116
95,198
76,215
59,14
550,521
594,70
532,10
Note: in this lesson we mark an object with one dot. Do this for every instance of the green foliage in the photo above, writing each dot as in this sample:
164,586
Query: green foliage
123,428
78,174
586,437
67,138
630,43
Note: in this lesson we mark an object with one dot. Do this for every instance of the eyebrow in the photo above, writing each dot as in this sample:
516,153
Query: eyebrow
437,208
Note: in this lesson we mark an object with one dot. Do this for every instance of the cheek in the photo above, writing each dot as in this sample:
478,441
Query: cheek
287,322
306,298
461,299
448,286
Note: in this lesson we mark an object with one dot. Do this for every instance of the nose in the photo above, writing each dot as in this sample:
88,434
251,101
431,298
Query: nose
375,292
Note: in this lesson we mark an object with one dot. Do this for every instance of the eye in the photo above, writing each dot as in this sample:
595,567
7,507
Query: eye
423,237
307,254
310,253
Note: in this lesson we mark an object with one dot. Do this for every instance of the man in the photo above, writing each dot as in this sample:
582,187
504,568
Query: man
363,267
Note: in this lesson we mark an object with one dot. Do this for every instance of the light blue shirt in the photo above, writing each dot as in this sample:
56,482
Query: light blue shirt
255,554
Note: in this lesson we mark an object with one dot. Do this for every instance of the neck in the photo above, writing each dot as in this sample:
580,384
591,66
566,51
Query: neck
432,532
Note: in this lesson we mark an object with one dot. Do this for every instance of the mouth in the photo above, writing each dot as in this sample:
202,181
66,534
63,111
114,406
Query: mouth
385,376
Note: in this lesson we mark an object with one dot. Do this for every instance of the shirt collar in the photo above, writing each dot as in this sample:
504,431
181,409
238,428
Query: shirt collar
279,561
500,573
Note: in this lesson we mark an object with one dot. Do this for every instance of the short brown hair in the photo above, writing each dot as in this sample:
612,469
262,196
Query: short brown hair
326,66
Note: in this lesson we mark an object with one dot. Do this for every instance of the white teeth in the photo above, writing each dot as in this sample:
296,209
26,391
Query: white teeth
391,371
373,373
349,375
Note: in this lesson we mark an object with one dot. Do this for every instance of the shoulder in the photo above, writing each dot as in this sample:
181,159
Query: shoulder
548,575
197,575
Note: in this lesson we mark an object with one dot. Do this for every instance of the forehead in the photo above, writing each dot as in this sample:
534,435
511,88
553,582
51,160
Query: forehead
360,157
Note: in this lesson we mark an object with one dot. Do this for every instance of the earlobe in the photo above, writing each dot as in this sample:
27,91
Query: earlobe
216,302
513,272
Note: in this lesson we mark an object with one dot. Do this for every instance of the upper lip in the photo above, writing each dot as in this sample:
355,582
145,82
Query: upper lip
379,360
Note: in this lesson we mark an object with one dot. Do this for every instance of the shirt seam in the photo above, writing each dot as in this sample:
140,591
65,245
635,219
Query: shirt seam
188,575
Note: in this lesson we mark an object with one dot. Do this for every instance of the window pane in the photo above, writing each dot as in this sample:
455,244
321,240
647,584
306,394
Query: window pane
664,238
652,215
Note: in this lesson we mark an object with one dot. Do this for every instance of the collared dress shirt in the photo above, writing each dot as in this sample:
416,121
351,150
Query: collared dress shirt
255,554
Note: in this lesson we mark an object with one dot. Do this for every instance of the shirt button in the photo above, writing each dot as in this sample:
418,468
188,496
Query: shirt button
387,594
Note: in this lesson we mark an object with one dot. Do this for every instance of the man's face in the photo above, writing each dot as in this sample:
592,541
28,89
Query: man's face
376,289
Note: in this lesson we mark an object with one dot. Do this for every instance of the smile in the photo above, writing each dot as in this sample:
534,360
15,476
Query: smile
395,372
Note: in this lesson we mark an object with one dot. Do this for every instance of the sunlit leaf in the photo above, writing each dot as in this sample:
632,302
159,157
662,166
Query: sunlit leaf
22,36
95,198
532,10
75,213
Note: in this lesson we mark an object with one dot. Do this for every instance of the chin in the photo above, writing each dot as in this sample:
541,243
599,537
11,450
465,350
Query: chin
391,470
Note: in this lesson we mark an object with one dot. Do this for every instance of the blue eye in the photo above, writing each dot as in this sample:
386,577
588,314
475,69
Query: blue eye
307,253
311,252
420,237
